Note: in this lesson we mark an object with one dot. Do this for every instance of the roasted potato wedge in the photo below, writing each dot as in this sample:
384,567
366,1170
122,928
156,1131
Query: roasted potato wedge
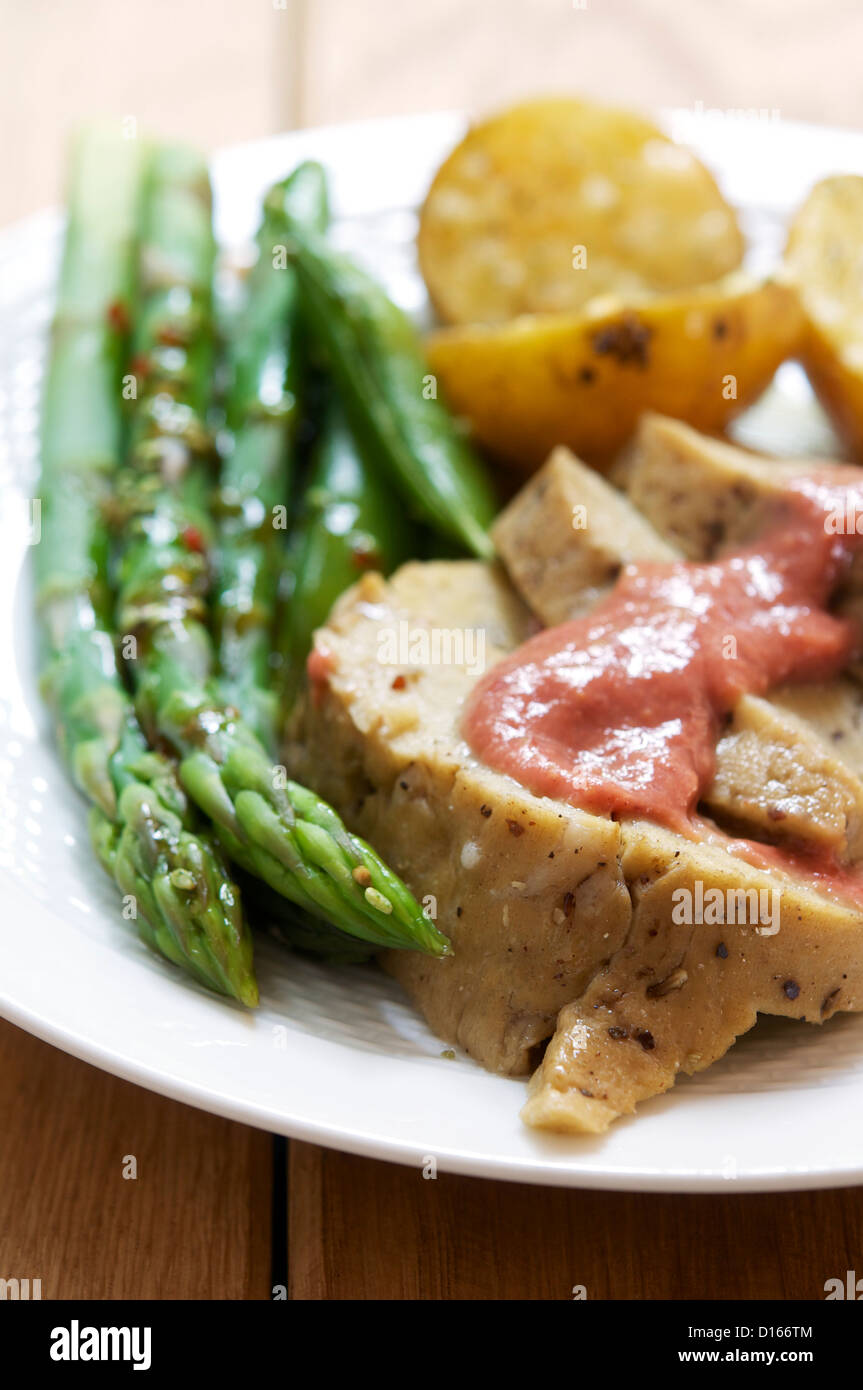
824,260
552,202
584,379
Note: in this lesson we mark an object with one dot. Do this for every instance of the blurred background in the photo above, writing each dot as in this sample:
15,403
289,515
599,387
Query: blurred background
220,71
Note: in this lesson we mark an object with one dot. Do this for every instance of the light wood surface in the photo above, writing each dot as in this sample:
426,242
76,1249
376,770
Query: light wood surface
212,73
378,57
360,1229
194,1223
232,70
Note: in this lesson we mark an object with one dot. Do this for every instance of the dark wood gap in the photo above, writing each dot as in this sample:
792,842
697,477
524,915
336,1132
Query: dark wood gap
279,1216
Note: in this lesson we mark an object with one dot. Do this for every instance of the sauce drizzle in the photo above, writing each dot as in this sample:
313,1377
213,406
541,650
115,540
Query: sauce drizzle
619,711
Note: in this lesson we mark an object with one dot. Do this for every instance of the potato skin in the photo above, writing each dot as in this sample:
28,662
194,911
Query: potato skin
839,388
822,261
584,380
552,202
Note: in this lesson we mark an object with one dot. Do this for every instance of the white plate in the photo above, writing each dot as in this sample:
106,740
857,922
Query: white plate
337,1056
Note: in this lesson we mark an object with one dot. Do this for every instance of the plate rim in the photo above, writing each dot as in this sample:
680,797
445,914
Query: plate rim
138,1070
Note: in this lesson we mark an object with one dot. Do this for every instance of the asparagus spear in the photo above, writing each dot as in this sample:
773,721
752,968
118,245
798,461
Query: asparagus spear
294,927
347,524
377,363
261,418
186,905
270,826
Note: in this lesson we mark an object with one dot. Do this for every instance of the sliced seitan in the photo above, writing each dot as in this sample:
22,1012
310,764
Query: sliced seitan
557,915
665,999
779,779
701,494
777,776
834,710
529,890
678,993
566,536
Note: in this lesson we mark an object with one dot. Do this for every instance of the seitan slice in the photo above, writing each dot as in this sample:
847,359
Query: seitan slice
678,993
546,904
777,777
529,890
834,710
566,536
701,494
668,1005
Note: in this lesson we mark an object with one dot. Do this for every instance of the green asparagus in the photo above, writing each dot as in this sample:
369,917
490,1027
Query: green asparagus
376,360
181,895
261,417
262,414
346,525
269,825
294,927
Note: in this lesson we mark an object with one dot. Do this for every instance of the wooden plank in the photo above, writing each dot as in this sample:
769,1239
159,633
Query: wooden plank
362,1229
195,1223
211,74
380,59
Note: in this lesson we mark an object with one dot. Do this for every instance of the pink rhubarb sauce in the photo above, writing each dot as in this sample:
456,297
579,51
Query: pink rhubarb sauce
619,712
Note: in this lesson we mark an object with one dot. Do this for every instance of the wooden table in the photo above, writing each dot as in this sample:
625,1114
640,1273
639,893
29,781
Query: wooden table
214,1210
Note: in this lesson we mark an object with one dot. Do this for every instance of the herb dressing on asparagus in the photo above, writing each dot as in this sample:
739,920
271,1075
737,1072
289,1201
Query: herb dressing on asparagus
171,869
268,825
160,566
